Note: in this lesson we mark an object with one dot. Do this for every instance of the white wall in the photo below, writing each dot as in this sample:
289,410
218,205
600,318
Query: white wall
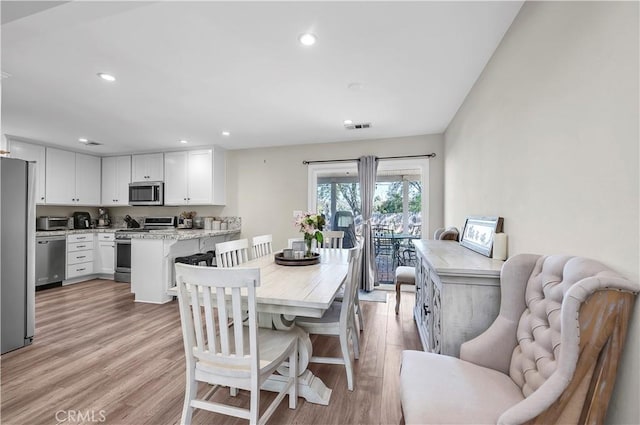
548,139
265,186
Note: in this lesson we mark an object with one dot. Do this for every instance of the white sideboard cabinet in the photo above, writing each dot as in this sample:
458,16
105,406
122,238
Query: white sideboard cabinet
457,294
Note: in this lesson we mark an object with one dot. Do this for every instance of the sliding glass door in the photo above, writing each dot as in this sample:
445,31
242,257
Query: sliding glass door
400,201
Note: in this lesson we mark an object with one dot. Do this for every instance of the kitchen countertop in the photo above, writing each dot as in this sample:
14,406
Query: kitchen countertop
177,234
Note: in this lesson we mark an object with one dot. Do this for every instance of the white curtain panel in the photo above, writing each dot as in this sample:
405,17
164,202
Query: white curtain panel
367,170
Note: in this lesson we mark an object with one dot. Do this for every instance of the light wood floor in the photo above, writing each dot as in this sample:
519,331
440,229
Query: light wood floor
96,352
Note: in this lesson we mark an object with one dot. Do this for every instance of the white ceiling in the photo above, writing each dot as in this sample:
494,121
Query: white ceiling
189,70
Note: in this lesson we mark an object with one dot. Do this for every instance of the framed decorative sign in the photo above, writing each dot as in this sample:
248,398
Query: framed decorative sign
479,232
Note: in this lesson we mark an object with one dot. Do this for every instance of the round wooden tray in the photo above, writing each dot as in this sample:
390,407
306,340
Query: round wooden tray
307,261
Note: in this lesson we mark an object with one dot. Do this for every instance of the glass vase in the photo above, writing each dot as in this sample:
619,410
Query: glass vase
308,240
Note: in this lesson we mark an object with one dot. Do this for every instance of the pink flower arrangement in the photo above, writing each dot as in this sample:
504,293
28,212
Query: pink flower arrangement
311,225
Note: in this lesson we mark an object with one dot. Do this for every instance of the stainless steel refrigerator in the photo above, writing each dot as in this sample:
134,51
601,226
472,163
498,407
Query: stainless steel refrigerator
17,253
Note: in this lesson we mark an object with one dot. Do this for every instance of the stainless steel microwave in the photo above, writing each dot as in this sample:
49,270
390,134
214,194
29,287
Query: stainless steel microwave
146,193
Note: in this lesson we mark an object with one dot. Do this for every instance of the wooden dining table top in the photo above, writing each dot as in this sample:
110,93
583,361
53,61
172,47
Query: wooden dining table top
298,290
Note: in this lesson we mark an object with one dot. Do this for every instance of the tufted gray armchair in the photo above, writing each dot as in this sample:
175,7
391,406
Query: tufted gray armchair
549,357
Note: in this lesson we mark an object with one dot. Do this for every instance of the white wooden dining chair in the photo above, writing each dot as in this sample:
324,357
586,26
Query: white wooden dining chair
332,239
339,320
224,352
356,299
232,253
262,245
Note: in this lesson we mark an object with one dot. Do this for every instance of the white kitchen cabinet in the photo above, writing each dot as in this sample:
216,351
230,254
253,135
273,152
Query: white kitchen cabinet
195,177
147,167
72,178
116,176
104,257
79,255
175,183
31,152
87,179
60,177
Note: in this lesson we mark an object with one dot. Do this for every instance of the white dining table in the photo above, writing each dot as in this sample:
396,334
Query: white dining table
289,291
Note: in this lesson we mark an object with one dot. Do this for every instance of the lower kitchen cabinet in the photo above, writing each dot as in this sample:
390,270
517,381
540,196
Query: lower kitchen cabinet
79,255
457,294
104,261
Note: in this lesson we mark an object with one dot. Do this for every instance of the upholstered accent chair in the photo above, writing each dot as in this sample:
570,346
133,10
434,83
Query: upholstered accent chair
446,234
550,356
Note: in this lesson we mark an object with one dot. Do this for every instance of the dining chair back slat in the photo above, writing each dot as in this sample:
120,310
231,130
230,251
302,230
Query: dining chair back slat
262,245
332,239
210,319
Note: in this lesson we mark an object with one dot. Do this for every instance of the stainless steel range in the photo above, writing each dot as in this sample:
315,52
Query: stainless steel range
123,244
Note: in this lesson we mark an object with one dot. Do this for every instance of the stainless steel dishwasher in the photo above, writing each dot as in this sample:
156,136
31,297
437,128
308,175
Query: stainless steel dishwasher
50,259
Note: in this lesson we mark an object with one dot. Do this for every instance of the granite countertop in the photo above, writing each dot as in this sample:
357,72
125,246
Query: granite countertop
177,234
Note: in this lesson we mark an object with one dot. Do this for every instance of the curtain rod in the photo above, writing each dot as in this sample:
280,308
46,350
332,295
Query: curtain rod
428,155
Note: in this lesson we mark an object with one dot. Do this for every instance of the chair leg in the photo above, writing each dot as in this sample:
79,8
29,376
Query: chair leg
397,296
355,338
348,365
190,392
359,311
254,406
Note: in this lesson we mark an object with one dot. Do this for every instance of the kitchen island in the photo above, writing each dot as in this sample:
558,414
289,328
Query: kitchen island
153,254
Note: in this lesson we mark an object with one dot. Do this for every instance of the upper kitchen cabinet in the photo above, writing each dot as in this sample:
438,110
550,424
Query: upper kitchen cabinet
148,167
31,152
116,176
195,177
72,178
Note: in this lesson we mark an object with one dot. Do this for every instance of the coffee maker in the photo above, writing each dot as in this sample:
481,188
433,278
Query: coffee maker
81,220
103,219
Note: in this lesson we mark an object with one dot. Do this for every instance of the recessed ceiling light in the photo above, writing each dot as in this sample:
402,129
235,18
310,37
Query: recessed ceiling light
226,133
107,77
348,122
307,39
355,86
83,140
184,141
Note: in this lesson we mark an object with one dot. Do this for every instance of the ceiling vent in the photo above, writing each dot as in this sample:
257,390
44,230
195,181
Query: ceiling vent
91,143
358,126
